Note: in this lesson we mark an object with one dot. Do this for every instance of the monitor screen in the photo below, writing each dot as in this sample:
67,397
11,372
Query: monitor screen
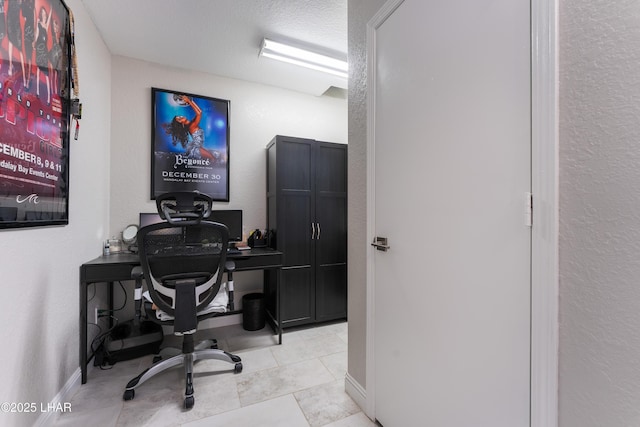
148,219
231,218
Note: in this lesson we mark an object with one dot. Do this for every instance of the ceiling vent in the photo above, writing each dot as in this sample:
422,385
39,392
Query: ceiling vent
335,92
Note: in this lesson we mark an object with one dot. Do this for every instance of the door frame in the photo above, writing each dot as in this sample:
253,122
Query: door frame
544,232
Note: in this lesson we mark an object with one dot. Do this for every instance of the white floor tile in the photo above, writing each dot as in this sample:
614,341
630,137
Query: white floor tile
279,412
103,417
357,420
326,403
299,383
270,383
336,364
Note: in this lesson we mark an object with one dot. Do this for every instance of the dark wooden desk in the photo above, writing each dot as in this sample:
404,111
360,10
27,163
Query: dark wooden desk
117,267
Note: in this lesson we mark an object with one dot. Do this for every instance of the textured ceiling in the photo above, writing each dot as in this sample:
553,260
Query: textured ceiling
223,37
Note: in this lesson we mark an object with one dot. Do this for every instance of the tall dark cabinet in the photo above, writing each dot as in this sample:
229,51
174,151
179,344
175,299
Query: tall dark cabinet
307,213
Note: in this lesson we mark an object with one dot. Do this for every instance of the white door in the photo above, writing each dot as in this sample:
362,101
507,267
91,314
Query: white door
452,149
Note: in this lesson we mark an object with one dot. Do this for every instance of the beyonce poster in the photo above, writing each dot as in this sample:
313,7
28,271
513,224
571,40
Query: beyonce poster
190,144
34,112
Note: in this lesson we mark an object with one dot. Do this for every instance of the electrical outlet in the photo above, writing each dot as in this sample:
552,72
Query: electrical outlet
96,314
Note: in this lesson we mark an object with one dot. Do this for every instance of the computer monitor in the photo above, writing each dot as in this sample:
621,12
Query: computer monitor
231,218
148,219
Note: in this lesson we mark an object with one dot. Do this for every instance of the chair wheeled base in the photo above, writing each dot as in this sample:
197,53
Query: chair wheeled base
186,358
182,260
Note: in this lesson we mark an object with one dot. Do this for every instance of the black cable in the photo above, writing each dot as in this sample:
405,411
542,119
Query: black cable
102,340
95,291
102,336
124,303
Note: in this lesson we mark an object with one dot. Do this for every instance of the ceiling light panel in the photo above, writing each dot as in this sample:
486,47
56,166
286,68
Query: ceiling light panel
302,57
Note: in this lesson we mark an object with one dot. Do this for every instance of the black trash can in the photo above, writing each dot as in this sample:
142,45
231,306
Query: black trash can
253,312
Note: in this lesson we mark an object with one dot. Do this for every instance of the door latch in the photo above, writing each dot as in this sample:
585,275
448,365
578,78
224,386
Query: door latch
380,243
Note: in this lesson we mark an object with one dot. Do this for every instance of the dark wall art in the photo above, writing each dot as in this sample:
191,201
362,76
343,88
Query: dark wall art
190,144
35,46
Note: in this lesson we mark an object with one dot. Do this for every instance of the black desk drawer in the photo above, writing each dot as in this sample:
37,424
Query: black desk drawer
105,272
257,262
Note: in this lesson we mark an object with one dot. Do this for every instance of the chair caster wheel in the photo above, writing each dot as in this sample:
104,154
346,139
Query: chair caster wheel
237,368
129,394
189,401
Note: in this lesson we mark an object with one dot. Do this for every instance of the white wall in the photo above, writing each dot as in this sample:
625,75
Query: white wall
257,114
599,230
109,186
39,307
599,214
359,13
599,57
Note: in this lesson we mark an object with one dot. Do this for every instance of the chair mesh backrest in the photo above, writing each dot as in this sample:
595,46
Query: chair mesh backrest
174,252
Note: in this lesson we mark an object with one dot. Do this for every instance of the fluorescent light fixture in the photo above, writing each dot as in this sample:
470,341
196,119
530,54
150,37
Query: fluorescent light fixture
304,58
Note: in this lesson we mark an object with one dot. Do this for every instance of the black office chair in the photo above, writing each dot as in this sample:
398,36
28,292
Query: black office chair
183,262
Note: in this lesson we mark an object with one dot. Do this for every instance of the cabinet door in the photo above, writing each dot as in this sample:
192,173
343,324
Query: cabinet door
295,211
331,231
331,265
294,239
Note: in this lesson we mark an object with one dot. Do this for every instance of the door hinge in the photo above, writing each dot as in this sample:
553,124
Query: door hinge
528,215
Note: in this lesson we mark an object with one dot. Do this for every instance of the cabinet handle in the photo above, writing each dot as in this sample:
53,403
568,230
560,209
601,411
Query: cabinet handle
318,225
313,231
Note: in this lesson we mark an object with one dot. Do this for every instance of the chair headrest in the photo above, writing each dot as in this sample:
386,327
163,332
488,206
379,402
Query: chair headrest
184,207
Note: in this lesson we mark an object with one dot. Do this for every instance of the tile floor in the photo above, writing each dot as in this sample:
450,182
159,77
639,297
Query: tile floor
298,383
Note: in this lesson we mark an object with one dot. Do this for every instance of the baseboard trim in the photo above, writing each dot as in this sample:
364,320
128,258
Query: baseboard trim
63,397
356,392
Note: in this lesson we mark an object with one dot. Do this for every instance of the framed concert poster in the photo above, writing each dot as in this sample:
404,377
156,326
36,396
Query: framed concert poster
35,47
190,144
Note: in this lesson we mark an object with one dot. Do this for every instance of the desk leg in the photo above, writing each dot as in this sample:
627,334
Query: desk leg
83,329
271,275
111,299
